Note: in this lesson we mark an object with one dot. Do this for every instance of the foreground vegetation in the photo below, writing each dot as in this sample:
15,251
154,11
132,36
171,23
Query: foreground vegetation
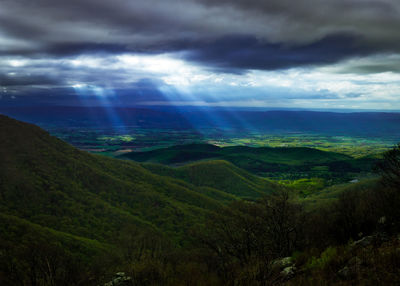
68,217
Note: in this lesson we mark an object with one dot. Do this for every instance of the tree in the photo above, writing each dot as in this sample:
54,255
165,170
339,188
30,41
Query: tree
144,254
388,197
246,237
284,222
390,168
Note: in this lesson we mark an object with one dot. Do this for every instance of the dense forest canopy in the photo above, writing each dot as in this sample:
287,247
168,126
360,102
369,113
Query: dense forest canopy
72,218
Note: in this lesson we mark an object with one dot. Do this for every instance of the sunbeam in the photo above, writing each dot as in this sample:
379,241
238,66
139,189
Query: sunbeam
95,95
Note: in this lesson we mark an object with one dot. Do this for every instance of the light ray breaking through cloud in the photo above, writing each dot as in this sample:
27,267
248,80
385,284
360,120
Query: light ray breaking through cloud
340,54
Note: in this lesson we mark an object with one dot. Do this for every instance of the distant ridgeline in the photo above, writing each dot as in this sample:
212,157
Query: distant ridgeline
280,163
384,124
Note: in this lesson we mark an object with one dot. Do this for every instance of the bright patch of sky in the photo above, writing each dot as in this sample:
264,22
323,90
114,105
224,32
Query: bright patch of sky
340,85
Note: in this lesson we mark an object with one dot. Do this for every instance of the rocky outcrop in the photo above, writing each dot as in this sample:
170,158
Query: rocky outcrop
286,267
120,279
283,262
375,240
288,272
365,241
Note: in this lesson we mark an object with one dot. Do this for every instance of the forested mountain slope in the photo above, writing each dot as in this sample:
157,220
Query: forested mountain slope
50,183
279,163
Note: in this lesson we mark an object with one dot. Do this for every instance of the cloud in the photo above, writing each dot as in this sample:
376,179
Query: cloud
19,80
368,65
247,52
59,27
154,79
202,51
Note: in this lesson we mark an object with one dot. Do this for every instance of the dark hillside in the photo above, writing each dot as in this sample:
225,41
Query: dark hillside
50,183
218,174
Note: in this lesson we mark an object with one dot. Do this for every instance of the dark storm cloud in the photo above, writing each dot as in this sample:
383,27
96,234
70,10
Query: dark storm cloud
371,65
281,33
374,68
68,49
26,80
247,52
26,92
85,25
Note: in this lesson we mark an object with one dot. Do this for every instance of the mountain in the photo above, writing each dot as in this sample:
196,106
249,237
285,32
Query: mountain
237,154
218,174
370,124
68,217
281,163
50,184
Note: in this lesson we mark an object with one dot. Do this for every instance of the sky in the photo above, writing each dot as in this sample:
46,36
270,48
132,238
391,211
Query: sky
244,53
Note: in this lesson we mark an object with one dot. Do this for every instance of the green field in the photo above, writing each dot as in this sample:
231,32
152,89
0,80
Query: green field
353,146
362,152
114,142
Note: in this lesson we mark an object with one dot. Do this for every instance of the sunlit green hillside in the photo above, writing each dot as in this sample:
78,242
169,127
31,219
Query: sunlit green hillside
283,163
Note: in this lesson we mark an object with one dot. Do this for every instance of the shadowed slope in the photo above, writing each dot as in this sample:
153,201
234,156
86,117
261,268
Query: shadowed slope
218,174
50,183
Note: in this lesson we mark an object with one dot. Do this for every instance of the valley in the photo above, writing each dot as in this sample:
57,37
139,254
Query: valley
177,205
199,143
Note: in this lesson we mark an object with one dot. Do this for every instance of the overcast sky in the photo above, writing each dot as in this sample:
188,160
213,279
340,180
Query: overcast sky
270,53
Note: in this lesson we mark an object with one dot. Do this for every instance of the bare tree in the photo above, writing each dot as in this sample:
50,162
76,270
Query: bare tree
248,236
389,195
389,168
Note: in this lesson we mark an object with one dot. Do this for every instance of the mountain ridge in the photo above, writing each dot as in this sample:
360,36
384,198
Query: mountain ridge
49,182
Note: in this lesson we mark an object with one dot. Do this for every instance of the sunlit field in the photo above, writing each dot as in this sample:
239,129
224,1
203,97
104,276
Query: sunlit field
112,143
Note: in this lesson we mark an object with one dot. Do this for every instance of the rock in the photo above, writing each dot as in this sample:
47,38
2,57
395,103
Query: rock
288,272
376,239
287,266
283,262
365,241
120,279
